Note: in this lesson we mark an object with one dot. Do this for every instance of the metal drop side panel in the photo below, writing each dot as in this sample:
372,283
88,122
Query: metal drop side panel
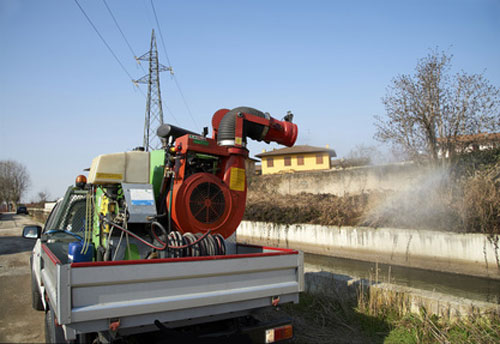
118,291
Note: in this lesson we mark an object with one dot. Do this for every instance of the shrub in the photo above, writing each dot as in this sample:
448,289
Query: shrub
480,202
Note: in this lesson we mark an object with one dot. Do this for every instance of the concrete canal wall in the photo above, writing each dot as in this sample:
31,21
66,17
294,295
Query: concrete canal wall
400,298
470,254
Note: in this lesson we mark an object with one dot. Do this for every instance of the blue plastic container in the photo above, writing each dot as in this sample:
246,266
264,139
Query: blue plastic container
75,254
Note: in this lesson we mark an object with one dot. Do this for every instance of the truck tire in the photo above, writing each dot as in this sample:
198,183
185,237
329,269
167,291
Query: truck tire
36,298
53,333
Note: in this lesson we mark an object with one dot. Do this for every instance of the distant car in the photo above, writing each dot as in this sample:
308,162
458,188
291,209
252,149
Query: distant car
22,210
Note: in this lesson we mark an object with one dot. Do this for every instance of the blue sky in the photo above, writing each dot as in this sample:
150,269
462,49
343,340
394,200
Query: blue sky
64,99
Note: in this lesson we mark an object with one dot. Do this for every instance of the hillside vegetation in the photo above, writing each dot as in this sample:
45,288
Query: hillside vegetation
461,198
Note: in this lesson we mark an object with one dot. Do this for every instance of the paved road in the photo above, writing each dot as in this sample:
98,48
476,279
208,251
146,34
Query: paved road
19,323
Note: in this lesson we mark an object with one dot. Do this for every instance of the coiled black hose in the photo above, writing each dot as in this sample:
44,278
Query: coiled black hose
182,245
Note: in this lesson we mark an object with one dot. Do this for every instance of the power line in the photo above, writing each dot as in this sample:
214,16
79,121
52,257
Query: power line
184,100
168,60
161,35
123,35
171,113
147,13
104,41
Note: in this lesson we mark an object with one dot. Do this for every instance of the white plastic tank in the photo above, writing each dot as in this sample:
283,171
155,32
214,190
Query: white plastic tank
114,168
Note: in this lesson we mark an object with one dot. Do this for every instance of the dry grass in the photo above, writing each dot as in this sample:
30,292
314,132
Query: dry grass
480,201
322,209
376,209
407,327
425,328
441,202
322,319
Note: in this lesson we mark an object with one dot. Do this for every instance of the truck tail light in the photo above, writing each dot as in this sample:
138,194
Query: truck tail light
279,333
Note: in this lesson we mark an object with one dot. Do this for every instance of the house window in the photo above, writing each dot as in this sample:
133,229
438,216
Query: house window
270,162
319,159
300,160
288,161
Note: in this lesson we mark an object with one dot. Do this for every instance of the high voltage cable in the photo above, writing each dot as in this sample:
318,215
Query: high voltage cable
103,40
168,60
184,100
123,35
135,56
171,113
161,35
118,26
133,53
127,42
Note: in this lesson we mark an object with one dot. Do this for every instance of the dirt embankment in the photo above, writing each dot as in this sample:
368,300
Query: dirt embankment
321,209
434,206
380,209
461,195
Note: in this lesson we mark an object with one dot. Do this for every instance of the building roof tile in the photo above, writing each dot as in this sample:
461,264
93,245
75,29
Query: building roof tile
481,137
298,149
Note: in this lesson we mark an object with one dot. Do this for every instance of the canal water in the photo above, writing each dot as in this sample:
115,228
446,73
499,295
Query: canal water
476,288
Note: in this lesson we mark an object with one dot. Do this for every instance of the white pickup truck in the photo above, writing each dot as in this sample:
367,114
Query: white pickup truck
149,243
202,297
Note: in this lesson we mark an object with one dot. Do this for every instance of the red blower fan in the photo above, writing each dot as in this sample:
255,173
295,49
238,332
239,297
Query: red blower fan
209,185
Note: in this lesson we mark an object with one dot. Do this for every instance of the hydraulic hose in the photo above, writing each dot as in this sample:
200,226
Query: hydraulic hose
177,247
111,223
164,245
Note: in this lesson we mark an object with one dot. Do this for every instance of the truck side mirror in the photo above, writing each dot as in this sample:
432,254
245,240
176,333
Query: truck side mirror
32,232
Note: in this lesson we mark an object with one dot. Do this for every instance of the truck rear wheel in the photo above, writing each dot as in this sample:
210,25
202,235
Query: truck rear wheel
36,298
53,332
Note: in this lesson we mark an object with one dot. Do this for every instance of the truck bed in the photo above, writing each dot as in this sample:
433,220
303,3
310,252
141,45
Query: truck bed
88,297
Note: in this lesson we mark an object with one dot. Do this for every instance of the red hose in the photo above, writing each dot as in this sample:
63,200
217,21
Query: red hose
136,236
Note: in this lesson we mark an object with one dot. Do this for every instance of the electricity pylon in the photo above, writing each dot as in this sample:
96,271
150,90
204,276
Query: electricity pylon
154,111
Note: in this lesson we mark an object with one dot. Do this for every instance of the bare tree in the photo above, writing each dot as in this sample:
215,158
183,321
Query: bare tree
14,181
372,155
362,151
429,113
43,196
